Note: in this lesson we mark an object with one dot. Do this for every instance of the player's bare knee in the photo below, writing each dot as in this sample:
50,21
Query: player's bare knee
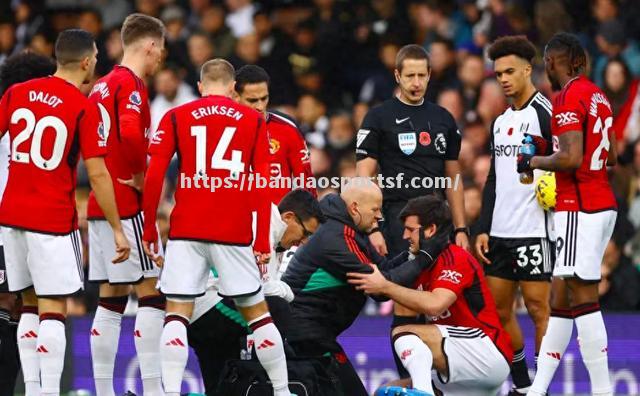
146,288
57,305
180,306
29,298
538,309
109,290
252,312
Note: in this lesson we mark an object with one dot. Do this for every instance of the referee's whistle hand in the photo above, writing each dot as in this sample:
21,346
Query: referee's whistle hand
482,247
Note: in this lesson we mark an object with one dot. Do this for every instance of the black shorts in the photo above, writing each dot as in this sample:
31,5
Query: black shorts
217,336
520,259
4,285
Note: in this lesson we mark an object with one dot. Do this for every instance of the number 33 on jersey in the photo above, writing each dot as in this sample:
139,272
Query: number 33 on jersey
50,123
582,106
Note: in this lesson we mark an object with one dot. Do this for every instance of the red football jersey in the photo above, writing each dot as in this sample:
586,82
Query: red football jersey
582,106
456,270
217,141
123,102
289,155
49,123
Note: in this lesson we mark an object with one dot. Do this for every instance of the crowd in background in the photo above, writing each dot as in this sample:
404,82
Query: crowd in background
331,60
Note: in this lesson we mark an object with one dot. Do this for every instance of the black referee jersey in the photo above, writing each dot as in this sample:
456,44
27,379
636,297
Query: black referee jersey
412,139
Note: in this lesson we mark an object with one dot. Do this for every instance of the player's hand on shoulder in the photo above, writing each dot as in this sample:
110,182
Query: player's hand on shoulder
377,240
482,247
371,283
136,182
122,247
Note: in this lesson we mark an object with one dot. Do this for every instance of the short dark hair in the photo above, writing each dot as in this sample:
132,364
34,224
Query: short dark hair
430,209
73,45
519,46
411,51
138,26
24,66
303,204
569,45
250,74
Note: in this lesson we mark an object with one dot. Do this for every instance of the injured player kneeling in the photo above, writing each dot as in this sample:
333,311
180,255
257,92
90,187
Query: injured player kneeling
462,348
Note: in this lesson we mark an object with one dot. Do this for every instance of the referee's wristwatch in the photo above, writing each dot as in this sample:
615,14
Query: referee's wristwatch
461,229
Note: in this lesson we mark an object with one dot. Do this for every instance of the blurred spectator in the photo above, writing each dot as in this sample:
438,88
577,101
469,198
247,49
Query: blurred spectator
390,21
491,102
472,203
550,17
471,74
148,7
619,288
114,50
612,42
481,168
196,8
42,43
451,100
247,51
212,21
443,68
320,163
604,10
29,20
359,112
171,91
312,117
622,91
200,50
341,138
380,86
240,17
478,136
174,19
7,37
91,21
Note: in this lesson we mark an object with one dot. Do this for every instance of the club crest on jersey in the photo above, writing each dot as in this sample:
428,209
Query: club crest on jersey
424,138
2,277
274,146
407,142
441,143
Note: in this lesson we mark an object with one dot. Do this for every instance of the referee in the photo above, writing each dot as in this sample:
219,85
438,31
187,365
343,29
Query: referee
411,139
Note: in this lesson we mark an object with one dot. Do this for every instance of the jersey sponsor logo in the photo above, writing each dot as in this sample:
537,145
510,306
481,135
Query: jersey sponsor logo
156,137
362,134
274,146
398,122
450,276
407,142
441,143
425,138
566,118
506,150
305,154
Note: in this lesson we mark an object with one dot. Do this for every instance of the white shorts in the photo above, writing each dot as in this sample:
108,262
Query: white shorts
476,366
102,250
581,239
187,265
52,264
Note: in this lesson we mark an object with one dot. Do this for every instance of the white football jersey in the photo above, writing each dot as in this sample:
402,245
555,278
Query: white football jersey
516,212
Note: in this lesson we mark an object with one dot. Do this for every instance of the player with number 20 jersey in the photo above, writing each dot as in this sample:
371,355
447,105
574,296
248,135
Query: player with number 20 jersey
50,124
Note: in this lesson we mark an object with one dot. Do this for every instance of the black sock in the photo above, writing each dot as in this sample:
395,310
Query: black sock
9,360
519,370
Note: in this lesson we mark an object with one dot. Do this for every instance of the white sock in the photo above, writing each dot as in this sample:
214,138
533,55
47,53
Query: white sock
51,347
554,344
28,328
417,358
592,338
147,333
174,352
270,352
105,334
